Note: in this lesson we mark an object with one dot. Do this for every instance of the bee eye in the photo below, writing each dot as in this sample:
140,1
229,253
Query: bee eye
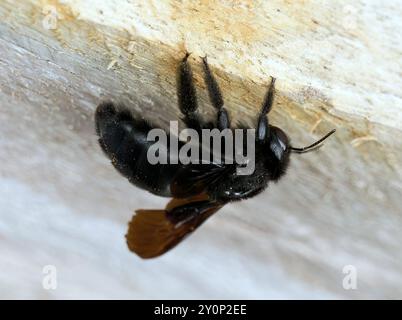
277,150
279,142
282,144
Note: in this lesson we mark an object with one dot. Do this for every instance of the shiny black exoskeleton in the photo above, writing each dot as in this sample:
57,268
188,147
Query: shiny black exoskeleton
198,190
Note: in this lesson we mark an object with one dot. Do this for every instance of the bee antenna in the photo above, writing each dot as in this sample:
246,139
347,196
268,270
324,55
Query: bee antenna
313,146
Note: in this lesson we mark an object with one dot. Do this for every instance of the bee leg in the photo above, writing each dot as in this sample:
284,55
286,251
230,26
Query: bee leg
187,96
263,125
215,96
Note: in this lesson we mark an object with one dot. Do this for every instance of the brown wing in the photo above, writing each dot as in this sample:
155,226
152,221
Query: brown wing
153,232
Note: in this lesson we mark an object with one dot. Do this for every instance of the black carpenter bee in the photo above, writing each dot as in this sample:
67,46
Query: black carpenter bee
198,190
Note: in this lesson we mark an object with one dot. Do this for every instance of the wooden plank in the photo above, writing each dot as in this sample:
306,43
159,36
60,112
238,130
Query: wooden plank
63,204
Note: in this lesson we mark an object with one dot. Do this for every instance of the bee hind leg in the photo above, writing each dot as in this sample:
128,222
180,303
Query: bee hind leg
187,96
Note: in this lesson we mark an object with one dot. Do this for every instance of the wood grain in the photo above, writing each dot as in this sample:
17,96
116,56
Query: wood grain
63,204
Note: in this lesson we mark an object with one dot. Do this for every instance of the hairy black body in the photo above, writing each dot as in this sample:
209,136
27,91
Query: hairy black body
198,190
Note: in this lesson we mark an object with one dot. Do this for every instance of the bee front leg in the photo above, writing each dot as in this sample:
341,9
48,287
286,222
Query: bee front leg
263,124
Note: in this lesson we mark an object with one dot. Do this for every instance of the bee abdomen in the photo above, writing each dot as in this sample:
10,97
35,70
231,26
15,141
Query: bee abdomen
124,140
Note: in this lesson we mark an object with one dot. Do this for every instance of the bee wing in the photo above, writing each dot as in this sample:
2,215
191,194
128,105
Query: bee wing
195,178
154,232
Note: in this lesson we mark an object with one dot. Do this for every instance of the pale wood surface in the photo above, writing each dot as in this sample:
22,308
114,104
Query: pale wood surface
63,204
